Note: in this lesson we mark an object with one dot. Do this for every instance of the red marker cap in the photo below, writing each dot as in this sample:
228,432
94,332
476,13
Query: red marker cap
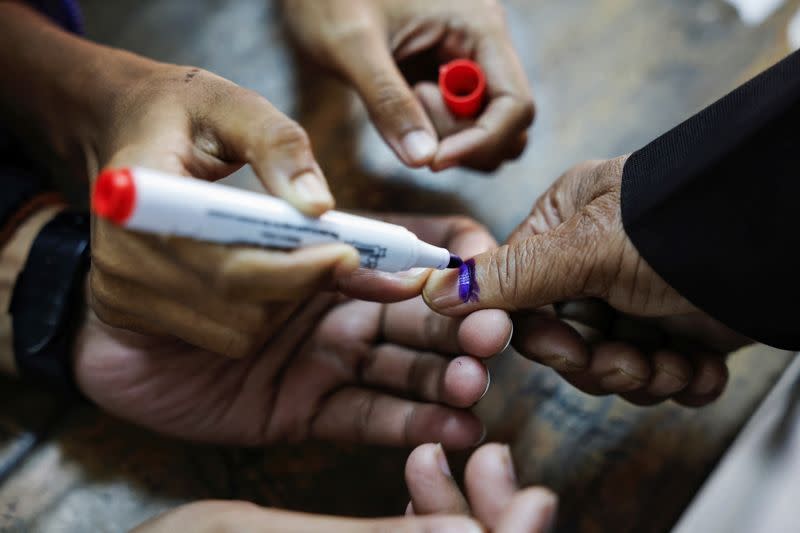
114,195
463,87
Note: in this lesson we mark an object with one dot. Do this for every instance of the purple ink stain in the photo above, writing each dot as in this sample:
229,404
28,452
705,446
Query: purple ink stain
467,283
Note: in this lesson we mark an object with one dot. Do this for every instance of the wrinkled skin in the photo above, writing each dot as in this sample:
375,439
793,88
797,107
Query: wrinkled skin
618,327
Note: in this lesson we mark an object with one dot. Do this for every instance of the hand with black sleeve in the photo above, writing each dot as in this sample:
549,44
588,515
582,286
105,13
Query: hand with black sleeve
676,247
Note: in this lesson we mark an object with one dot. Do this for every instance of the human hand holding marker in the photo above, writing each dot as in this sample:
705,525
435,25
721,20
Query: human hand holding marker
98,106
327,368
190,122
367,42
646,342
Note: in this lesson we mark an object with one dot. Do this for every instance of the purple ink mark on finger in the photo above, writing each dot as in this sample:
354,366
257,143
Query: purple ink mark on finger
467,282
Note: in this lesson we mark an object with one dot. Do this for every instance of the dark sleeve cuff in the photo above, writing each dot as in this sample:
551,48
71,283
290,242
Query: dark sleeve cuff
711,206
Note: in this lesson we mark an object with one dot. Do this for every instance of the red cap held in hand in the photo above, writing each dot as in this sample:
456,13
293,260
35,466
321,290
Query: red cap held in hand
114,195
463,87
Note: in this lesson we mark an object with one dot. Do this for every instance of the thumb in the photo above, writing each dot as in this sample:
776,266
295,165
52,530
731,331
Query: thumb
533,271
392,104
251,130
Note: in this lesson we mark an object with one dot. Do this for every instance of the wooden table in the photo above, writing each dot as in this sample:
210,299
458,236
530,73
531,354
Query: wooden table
609,75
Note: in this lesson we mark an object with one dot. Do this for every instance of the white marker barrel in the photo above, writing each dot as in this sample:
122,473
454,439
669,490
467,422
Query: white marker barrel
155,202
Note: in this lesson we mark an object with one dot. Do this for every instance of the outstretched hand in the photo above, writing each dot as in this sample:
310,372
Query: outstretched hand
332,368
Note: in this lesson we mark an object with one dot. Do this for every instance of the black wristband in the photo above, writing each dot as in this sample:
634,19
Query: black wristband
47,303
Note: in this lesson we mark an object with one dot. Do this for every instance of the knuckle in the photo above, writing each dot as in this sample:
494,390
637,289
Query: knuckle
363,415
286,135
392,98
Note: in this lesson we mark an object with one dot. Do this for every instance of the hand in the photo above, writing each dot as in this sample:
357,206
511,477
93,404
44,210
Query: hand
335,369
366,42
493,499
186,121
649,345
97,106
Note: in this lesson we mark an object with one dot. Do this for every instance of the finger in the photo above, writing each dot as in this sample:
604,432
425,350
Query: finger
710,376
491,482
615,368
366,416
461,235
459,382
482,334
444,121
503,121
430,483
391,103
672,372
266,275
528,274
252,130
551,342
447,126
532,510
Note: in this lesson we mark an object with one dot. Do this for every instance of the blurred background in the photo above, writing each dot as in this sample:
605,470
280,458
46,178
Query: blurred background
608,76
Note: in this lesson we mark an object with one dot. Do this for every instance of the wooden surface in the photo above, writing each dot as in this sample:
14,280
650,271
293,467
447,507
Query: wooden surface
609,75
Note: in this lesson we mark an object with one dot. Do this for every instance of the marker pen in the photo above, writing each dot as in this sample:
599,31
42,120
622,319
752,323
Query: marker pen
154,202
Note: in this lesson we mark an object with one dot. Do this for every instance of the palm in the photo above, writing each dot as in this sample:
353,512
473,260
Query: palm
323,375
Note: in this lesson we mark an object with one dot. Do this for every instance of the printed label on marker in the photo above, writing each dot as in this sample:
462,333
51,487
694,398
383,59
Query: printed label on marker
154,202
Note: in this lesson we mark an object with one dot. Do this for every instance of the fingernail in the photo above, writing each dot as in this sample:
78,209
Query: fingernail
619,380
665,382
441,290
544,506
510,336
509,464
452,288
442,458
488,383
419,146
312,189
482,437
410,509
563,363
